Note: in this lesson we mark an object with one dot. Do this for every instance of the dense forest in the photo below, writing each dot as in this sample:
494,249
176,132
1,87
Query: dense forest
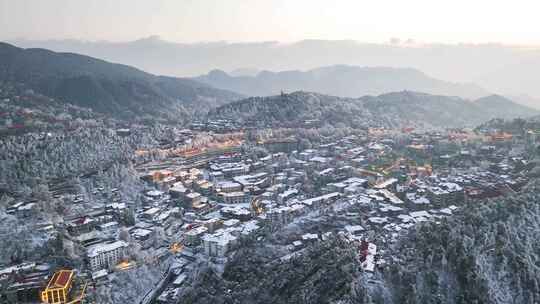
33,159
487,254
322,274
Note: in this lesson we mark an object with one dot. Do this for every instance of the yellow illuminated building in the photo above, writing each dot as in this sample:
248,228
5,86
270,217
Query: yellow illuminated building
58,288
176,247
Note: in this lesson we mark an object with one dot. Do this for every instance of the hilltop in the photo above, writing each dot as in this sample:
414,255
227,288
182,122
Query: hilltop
388,110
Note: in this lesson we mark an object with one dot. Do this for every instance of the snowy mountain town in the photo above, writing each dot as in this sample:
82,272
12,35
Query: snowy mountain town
198,202
269,152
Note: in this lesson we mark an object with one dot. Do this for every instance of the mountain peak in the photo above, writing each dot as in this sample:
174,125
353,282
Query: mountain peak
217,73
152,40
494,99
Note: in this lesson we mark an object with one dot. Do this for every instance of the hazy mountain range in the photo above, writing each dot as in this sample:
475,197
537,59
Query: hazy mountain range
505,70
126,92
105,87
339,80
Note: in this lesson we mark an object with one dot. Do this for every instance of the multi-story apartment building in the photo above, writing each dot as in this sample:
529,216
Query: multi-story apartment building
102,256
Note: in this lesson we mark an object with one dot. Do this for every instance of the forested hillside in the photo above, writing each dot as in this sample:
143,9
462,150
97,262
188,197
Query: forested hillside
105,87
324,273
487,254
391,110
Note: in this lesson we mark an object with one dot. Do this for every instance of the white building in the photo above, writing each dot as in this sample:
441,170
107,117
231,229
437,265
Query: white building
238,197
109,228
285,196
193,236
228,187
219,243
354,230
106,255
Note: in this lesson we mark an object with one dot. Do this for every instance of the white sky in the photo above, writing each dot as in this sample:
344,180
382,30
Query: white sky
478,21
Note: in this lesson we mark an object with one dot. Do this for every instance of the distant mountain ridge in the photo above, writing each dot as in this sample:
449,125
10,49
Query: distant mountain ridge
340,80
126,92
396,109
503,69
105,87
